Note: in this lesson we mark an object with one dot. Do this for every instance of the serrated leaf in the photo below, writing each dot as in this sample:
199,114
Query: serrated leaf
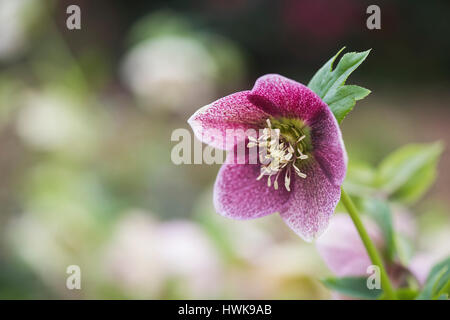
355,287
342,100
438,281
328,84
317,81
407,173
381,213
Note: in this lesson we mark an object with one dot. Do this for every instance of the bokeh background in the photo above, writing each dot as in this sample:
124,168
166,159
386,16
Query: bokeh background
86,118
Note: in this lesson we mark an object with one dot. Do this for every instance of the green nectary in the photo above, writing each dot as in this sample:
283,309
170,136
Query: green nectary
292,130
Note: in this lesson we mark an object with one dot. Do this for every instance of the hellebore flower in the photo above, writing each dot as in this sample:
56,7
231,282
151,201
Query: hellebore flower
300,142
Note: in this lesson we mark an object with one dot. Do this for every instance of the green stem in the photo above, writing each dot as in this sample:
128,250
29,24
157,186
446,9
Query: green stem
370,247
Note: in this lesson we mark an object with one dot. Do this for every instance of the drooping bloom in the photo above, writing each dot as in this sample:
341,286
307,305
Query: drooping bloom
302,159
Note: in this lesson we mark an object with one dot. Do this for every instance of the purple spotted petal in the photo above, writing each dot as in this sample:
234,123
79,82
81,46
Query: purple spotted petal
328,146
238,195
312,203
342,249
210,123
280,96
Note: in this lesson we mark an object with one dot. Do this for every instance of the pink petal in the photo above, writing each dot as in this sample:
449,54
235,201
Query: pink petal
210,123
328,146
307,208
312,202
420,266
238,195
342,249
422,263
281,96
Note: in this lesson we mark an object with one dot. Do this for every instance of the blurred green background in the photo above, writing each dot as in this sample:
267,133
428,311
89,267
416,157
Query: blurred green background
86,118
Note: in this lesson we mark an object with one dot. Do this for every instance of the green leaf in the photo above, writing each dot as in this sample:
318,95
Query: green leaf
355,287
437,282
328,83
407,173
381,213
342,100
443,284
406,294
318,80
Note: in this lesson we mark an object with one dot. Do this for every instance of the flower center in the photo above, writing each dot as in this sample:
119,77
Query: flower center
282,145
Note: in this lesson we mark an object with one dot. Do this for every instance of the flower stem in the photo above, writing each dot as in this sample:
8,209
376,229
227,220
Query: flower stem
370,247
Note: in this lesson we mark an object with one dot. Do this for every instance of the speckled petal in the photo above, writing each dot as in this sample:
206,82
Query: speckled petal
239,195
235,111
328,146
312,203
280,96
